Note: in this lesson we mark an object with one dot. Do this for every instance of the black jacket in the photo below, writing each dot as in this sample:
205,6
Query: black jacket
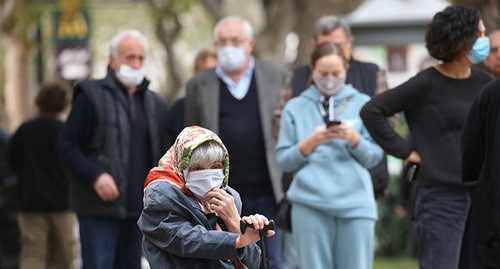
98,138
43,183
481,171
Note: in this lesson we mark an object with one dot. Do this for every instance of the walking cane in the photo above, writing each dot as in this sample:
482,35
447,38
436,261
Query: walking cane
263,238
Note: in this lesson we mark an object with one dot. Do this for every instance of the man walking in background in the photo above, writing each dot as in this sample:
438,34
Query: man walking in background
114,134
46,223
236,100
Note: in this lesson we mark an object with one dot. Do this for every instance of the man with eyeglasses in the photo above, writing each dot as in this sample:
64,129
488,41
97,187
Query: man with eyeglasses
236,100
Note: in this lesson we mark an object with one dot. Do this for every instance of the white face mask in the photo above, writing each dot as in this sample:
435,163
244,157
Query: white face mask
329,85
200,182
231,58
129,76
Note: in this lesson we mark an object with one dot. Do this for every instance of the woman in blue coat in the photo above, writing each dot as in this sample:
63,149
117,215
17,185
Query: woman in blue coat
191,217
323,141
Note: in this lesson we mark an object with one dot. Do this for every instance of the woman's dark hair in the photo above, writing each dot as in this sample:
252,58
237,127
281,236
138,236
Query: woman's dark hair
53,97
452,32
325,49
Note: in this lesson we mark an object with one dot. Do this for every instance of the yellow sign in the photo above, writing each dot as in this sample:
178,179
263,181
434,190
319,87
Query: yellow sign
73,26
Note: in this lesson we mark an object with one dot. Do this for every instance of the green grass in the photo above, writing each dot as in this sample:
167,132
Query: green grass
395,263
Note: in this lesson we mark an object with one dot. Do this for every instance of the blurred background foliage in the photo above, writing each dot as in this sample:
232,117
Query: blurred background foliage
393,230
177,29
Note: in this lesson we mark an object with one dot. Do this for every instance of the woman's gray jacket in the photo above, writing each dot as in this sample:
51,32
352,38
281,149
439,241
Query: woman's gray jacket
178,234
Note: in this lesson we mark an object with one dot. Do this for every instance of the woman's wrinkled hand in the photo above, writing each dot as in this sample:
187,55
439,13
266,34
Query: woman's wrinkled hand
222,203
252,235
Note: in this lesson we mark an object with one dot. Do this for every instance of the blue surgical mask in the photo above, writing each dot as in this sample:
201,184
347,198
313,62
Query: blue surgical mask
480,50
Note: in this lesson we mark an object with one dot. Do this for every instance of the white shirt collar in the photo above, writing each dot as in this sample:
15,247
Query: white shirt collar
239,90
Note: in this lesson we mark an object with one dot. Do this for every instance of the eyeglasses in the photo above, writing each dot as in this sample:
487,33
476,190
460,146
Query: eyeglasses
233,42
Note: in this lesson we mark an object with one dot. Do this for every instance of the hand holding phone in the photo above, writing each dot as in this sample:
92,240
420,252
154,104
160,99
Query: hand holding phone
411,171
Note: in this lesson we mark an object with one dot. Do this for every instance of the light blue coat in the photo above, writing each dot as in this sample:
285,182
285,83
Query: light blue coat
334,177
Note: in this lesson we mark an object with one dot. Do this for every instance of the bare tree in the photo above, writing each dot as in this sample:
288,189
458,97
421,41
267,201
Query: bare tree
214,8
307,12
166,16
280,17
284,16
279,20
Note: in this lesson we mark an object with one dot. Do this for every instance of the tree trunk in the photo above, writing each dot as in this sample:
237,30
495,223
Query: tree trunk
167,37
213,8
305,20
270,43
17,94
168,28
307,13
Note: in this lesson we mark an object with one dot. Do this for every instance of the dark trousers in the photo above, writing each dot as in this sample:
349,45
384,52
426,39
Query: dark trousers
440,217
266,205
110,243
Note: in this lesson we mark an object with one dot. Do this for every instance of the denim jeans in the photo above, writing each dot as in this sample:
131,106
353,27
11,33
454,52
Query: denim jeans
440,217
267,206
110,243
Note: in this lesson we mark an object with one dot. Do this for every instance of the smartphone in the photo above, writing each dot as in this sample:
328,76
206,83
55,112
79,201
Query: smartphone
333,122
411,172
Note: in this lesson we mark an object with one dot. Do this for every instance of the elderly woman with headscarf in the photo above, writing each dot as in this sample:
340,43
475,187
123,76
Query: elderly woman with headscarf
191,217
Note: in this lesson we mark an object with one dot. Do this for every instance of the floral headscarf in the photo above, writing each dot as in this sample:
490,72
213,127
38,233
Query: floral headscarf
172,165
